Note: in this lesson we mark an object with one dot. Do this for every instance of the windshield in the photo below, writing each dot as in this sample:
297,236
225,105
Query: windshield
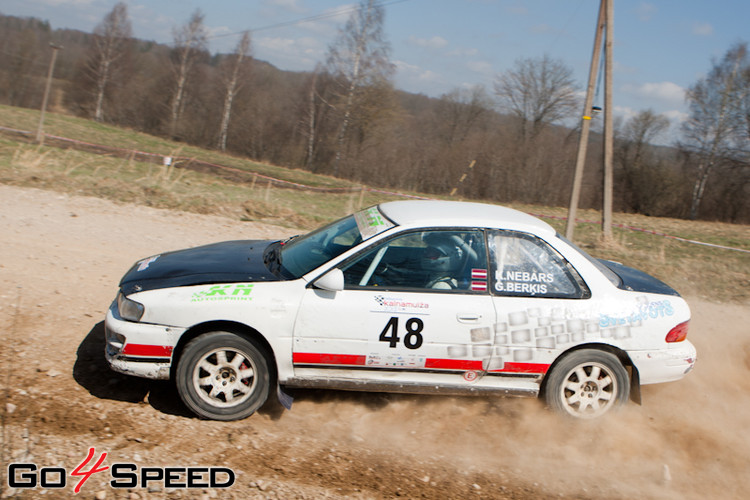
301,255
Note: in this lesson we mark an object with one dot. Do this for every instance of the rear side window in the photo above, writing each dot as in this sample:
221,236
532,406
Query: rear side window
522,265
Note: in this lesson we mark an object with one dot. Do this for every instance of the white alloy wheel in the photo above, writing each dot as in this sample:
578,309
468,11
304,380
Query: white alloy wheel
587,384
223,376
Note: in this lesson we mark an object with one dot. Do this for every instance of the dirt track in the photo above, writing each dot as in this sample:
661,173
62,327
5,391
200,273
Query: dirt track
60,260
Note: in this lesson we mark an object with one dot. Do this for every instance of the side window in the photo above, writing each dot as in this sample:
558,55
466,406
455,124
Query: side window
525,266
439,260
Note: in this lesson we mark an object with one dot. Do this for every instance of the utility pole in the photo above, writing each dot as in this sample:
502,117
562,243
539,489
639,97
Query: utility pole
40,128
604,23
608,129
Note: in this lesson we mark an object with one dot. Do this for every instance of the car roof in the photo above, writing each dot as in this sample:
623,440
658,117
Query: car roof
437,213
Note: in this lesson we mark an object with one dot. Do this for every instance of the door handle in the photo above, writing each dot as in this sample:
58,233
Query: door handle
468,317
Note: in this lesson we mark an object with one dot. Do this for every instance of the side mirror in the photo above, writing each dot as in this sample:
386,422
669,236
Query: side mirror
333,281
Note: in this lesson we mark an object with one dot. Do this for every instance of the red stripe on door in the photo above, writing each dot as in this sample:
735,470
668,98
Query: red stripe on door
453,364
314,358
523,368
158,351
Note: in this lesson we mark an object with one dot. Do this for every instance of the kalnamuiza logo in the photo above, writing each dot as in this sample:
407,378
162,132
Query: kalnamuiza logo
123,475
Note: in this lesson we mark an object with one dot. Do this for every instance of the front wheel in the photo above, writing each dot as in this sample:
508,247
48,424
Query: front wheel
222,376
587,384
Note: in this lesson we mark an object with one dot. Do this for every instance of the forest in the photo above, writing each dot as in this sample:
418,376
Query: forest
511,143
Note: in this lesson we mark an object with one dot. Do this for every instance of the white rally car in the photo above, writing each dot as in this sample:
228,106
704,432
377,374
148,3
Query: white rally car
407,296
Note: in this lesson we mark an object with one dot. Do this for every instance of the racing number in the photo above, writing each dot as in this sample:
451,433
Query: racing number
413,338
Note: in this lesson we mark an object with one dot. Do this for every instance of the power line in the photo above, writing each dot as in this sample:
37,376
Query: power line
317,17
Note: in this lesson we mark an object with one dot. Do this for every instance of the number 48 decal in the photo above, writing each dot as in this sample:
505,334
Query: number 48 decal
413,338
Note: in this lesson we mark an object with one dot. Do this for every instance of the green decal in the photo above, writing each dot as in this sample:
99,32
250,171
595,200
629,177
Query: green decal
224,293
371,222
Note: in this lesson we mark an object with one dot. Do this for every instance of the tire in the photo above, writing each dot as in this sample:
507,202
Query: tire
222,376
587,384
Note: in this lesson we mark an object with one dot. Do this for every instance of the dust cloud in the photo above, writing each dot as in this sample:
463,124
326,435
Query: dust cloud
688,440
63,255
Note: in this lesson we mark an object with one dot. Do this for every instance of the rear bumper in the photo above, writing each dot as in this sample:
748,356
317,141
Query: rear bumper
664,365
139,349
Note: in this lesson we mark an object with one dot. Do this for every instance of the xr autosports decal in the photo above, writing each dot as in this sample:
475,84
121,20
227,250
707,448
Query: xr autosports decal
233,292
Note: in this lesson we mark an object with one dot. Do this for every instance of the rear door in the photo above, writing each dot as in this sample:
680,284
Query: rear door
540,301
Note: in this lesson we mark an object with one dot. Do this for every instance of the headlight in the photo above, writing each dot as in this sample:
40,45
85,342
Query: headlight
129,309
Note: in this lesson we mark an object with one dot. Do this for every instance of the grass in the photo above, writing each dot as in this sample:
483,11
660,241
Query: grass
694,270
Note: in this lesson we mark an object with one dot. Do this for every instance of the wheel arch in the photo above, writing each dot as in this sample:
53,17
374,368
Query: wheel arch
622,355
235,327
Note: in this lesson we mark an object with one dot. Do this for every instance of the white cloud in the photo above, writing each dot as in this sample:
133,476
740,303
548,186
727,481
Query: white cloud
540,29
675,116
625,112
294,54
482,67
287,5
71,3
463,52
666,91
436,42
413,72
646,11
703,29
518,9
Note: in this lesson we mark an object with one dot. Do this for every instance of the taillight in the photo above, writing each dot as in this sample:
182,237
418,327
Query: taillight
678,333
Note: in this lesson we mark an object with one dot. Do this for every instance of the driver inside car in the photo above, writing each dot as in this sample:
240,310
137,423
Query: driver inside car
443,260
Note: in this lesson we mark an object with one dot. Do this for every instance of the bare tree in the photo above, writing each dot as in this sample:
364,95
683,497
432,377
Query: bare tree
189,40
460,110
110,43
359,58
639,133
716,131
648,186
538,92
314,110
241,52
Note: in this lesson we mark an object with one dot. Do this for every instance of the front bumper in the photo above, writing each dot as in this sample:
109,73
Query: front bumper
664,365
139,349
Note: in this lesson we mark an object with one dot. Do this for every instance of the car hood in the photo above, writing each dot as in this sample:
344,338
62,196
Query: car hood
226,262
638,281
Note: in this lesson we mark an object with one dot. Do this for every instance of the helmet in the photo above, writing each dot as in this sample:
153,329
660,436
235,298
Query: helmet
441,254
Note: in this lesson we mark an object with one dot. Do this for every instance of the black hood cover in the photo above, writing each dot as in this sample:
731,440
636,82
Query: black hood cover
638,281
226,262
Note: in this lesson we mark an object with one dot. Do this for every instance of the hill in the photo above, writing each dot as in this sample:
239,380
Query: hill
301,200
395,140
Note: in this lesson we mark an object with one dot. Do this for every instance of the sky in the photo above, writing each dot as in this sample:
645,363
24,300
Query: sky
661,47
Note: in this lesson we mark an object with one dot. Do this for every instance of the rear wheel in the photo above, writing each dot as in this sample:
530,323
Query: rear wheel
223,376
587,384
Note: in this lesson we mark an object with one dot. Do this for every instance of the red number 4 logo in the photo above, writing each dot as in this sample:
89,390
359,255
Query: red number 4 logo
85,475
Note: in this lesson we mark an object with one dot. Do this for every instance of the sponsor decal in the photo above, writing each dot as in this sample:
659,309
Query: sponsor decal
143,264
396,304
646,311
370,222
396,360
122,475
233,292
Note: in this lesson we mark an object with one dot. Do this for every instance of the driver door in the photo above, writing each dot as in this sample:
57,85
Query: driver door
400,319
